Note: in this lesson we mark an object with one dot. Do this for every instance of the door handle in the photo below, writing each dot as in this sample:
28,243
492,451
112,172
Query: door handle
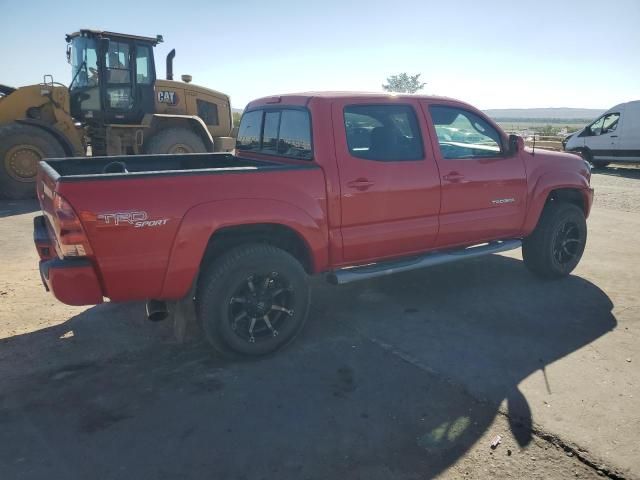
453,177
360,184
613,136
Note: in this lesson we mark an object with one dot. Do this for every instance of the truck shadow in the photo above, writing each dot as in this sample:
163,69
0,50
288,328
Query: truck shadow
393,378
9,208
485,324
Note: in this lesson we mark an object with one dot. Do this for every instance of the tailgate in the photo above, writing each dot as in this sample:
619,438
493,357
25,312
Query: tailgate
46,186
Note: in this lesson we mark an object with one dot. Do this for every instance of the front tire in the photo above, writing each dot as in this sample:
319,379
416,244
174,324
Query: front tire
253,300
555,247
175,141
21,148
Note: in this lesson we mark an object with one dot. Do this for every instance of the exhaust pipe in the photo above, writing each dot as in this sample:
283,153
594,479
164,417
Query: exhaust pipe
170,57
157,310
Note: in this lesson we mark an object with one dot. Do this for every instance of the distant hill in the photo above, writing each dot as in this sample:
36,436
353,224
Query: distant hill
543,114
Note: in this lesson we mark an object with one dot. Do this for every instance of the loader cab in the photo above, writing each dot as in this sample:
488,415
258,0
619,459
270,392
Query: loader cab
113,77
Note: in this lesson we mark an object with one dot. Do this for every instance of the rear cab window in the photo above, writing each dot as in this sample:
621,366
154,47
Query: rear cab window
281,131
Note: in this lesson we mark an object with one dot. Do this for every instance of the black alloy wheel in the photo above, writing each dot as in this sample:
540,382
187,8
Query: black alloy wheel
260,305
253,300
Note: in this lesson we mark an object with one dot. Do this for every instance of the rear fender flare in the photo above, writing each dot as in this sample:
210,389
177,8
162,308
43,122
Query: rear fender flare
202,221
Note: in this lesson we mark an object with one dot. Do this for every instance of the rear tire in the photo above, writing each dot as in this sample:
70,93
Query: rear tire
599,164
555,247
175,141
21,148
253,300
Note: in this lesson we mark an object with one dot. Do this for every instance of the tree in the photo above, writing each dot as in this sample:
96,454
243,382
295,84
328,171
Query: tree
236,118
549,130
404,83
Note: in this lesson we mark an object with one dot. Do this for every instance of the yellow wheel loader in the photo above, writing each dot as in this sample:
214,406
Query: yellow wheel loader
114,105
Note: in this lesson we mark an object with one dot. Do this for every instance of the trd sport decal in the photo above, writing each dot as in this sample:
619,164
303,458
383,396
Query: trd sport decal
137,219
168,97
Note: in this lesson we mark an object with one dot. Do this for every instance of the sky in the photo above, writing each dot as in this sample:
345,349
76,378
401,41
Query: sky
493,54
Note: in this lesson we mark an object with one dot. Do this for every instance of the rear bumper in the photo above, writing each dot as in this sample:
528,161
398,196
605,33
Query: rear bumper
71,280
44,244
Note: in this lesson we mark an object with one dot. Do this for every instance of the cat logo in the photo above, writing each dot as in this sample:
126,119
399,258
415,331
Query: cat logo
167,97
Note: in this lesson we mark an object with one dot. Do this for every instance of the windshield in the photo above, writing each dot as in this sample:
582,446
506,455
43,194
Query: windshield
84,63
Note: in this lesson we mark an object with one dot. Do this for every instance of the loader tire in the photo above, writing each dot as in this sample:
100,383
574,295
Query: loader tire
175,141
21,148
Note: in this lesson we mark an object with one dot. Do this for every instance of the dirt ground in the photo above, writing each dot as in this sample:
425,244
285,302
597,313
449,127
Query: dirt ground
402,377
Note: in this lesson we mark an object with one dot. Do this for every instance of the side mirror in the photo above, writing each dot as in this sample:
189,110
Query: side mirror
516,144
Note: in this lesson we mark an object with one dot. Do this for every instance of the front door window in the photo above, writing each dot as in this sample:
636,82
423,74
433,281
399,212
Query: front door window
610,123
85,80
463,134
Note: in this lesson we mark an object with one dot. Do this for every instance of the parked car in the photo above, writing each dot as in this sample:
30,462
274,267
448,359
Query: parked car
612,137
352,186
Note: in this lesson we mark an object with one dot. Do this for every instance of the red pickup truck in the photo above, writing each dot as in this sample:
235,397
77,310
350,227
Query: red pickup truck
350,185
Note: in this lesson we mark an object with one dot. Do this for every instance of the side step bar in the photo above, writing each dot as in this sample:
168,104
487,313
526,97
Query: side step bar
352,274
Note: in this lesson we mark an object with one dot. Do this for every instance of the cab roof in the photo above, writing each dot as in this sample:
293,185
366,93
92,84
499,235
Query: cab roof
85,32
303,98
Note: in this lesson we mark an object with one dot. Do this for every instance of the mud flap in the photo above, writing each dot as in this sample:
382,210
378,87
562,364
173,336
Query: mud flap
183,315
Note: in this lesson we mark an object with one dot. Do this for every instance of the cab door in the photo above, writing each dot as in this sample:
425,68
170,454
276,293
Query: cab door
389,184
601,137
129,74
484,190
145,78
119,96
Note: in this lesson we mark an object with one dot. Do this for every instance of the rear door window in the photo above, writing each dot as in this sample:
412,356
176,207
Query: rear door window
250,131
383,132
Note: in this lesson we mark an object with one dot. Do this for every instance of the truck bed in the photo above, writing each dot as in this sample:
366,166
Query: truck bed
87,168
183,199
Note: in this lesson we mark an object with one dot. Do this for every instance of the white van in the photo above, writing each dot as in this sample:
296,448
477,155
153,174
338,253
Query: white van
613,137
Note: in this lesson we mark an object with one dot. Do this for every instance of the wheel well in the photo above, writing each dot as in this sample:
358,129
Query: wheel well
567,195
276,235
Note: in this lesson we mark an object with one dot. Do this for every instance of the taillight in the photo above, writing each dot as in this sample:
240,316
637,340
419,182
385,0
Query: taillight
72,239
